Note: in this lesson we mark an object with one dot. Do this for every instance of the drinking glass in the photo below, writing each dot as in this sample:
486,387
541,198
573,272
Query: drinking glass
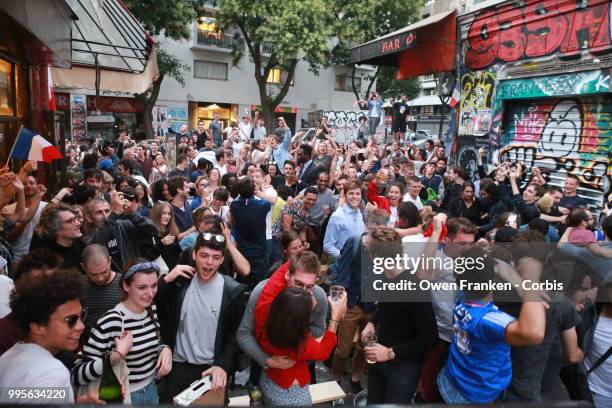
370,340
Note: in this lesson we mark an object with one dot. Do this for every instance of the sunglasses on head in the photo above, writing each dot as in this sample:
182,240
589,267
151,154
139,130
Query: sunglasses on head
208,236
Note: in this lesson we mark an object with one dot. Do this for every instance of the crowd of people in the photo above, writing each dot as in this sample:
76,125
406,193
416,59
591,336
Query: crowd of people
176,271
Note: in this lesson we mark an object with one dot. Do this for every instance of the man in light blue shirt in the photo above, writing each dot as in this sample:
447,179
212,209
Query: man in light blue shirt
345,222
280,144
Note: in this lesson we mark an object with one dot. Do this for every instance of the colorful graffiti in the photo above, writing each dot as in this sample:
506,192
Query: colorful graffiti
476,102
538,28
575,83
568,135
344,124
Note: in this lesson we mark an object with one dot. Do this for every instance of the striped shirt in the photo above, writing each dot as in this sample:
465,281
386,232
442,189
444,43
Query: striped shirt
142,357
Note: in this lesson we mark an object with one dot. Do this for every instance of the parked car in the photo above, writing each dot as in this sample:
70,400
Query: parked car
424,134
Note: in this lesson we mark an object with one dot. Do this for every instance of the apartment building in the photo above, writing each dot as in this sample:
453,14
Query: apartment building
215,85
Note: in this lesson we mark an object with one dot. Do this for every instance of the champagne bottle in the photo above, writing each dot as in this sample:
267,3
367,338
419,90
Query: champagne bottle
255,397
110,387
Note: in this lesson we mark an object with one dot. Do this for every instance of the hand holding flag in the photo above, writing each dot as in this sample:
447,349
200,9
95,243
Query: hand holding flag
32,146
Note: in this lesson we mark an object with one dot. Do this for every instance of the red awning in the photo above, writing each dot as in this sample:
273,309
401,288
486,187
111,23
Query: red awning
425,47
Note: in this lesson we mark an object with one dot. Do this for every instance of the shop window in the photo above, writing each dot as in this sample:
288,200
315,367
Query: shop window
210,70
344,83
21,90
7,106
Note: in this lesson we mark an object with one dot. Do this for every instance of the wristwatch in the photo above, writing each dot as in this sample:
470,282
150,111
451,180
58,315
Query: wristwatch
391,354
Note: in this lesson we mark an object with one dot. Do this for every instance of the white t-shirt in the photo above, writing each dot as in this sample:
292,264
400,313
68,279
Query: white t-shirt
244,130
600,379
21,246
236,147
6,287
393,217
417,201
28,365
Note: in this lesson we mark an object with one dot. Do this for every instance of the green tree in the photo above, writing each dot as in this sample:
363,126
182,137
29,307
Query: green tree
388,86
278,34
168,18
365,20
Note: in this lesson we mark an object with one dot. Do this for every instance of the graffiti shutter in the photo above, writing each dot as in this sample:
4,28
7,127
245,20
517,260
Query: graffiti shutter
564,135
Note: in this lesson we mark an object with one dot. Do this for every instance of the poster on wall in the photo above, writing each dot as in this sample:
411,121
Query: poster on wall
78,117
160,120
177,116
481,122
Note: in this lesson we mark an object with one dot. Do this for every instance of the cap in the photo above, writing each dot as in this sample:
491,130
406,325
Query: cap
106,164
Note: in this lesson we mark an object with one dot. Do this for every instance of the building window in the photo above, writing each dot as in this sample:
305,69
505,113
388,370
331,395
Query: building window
6,89
427,110
208,24
343,83
278,76
210,70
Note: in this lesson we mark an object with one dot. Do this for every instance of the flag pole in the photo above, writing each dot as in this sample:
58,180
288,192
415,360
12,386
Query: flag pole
13,147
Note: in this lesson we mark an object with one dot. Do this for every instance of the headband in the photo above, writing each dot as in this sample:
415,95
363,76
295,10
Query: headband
140,267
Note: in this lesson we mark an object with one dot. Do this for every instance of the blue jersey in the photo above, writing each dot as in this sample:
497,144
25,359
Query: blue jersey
479,358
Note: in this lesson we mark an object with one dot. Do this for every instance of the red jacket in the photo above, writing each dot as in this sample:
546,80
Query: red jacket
311,349
381,201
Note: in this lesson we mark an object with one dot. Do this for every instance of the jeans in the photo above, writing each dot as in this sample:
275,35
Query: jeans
393,382
600,401
373,124
146,396
449,392
259,270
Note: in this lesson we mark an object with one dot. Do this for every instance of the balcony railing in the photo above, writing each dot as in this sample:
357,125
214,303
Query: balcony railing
220,40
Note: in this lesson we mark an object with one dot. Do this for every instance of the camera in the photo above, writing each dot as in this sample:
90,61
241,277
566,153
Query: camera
129,194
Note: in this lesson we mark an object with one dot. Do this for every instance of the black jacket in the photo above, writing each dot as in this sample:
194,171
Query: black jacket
71,255
122,235
169,301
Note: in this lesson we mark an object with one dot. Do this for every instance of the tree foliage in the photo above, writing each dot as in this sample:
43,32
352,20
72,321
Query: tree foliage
388,86
278,34
172,19
361,21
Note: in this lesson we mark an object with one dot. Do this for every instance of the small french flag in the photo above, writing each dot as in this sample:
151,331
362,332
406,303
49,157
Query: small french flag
456,95
32,146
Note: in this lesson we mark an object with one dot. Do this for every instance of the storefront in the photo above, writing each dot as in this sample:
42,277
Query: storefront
85,118
33,36
205,111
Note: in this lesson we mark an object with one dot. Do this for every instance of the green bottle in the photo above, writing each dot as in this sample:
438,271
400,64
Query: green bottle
110,387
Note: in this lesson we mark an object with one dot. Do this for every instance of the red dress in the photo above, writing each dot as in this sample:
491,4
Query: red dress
310,349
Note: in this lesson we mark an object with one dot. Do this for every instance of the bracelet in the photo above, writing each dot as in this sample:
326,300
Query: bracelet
333,321
120,354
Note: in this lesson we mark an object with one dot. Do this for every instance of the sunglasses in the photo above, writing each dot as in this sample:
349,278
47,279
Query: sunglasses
210,236
72,320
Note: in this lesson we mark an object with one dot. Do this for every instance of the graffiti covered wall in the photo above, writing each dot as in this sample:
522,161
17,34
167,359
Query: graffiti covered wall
538,28
476,102
564,135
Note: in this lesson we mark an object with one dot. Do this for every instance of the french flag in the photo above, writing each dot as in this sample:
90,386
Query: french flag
32,146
